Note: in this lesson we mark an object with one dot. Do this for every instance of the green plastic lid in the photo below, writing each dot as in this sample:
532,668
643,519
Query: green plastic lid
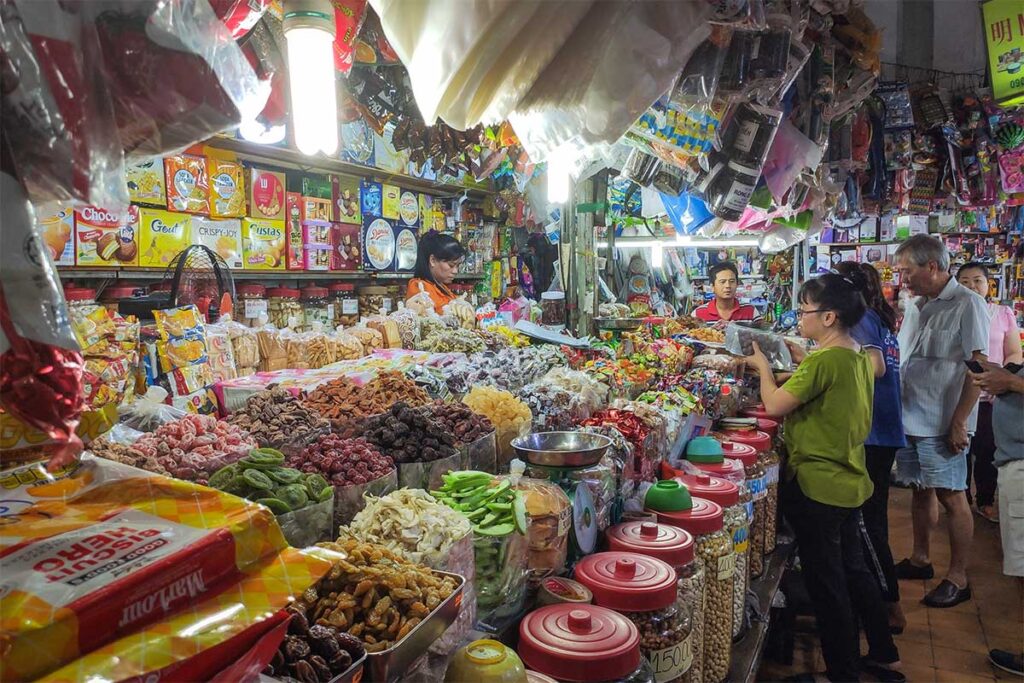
668,496
705,449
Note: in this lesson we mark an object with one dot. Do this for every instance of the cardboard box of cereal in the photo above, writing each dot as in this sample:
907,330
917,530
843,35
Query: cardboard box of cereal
106,238
162,236
222,236
58,233
263,244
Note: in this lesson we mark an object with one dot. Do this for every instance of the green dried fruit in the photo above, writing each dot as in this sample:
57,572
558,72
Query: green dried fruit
221,477
257,479
284,475
315,484
325,495
294,495
262,457
275,505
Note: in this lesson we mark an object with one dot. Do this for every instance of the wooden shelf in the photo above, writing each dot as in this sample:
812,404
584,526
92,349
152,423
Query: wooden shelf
72,273
283,157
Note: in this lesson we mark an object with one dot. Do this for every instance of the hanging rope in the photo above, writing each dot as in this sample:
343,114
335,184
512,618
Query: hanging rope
954,81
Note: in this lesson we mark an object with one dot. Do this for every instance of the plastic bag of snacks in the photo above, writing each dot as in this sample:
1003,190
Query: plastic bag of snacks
461,310
245,347
321,350
370,339
150,411
510,416
549,516
273,351
348,346
173,544
221,353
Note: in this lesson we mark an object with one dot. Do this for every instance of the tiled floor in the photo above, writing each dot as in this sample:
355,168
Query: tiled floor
947,645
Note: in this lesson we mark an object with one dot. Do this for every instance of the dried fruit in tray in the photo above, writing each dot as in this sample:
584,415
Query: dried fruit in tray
458,419
374,594
276,419
195,446
408,435
316,652
262,477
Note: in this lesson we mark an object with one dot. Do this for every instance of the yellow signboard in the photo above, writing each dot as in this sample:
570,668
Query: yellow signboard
1004,37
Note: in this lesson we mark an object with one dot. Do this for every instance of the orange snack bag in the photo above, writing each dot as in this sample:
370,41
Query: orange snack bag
188,187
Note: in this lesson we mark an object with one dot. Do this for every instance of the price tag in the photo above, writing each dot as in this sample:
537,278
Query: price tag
350,306
740,539
672,662
254,308
726,566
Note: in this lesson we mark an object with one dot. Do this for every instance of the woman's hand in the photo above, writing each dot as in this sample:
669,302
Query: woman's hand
996,380
797,351
759,361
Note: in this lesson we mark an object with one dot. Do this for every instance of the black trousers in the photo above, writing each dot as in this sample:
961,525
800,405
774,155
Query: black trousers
840,584
876,520
980,457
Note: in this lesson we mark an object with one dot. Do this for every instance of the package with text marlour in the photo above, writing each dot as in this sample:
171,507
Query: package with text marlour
99,550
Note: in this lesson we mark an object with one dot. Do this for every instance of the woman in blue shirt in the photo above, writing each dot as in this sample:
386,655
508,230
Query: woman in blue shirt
876,333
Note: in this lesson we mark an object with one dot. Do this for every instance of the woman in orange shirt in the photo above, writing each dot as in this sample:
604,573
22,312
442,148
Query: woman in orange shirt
437,262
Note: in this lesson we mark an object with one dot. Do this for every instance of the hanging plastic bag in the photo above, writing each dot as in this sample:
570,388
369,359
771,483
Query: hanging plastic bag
41,368
150,411
57,112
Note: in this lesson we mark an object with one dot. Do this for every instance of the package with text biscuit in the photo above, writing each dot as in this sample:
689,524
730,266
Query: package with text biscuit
98,551
264,244
188,186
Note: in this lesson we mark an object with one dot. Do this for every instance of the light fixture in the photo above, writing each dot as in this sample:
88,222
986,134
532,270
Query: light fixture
679,242
559,167
253,130
309,30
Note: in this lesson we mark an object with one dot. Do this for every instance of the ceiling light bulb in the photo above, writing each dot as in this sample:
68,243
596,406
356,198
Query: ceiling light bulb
309,32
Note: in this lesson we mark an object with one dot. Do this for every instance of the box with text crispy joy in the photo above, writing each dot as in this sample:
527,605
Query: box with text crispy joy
106,238
222,236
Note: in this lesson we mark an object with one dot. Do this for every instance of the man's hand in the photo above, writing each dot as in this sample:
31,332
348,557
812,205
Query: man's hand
958,439
995,380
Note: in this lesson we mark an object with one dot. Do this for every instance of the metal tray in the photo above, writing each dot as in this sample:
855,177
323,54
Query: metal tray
618,323
562,449
353,674
392,664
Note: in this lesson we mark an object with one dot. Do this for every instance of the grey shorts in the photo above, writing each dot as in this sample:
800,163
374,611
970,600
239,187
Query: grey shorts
926,461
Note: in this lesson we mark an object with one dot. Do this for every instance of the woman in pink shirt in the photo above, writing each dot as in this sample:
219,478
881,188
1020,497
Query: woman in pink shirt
1003,347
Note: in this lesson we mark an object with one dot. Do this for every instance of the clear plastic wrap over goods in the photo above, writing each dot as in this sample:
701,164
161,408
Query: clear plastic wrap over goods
549,516
739,340
149,412
427,475
501,571
481,454
348,500
196,541
41,368
310,525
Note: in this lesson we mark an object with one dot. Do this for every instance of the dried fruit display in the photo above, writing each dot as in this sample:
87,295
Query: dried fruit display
374,594
126,455
275,418
408,435
195,446
343,462
262,477
341,399
313,654
459,420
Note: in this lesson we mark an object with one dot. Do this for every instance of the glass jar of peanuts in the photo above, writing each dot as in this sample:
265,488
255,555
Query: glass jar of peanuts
676,547
756,483
643,589
705,521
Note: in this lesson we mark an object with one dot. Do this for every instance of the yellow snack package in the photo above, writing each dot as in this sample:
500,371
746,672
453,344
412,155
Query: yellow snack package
146,182
162,235
133,567
227,188
263,244
177,322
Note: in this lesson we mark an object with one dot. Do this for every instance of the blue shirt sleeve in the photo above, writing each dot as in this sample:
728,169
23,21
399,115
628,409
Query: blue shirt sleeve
868,332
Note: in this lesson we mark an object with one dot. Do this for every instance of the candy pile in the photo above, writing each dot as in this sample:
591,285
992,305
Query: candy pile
343,462
275,417
408,435
553,408
195,446
262,477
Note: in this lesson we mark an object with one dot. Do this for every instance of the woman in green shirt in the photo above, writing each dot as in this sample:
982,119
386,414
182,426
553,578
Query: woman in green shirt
827,404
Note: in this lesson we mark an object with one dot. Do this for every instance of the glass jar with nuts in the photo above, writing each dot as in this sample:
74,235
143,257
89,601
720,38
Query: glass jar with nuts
676,547
755,485
771,461
284,309
705,521
727,494
643,589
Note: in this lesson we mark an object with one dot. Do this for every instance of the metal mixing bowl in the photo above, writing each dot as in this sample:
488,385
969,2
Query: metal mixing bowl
562,449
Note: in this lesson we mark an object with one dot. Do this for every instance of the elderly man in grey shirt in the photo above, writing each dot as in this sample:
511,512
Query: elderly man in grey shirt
943,327
1007,385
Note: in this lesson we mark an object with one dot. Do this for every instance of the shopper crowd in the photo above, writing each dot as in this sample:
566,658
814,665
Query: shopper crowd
940,394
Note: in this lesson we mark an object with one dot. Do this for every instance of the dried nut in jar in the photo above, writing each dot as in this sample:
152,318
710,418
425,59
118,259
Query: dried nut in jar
716,551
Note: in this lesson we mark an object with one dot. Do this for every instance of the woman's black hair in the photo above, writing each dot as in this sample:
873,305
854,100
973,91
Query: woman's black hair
974,265
872,292
442,247
719,267
837,293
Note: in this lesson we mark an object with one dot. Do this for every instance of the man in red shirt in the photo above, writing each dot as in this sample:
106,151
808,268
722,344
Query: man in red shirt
724,281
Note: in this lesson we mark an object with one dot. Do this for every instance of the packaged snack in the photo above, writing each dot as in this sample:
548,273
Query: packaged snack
106,238
409,209
100,550
227,188
188,187
223,237
406,248
266,194
346,200
162,236
295,257
317,250
346,251
220,352
378,245
316,186
178,322
371,199
58,233
315,209
390,199
263,244
146,182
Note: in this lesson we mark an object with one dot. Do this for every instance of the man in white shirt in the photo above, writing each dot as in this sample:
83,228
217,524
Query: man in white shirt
944,326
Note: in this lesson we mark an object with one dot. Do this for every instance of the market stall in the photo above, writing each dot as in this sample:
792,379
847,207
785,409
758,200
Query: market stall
251,430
